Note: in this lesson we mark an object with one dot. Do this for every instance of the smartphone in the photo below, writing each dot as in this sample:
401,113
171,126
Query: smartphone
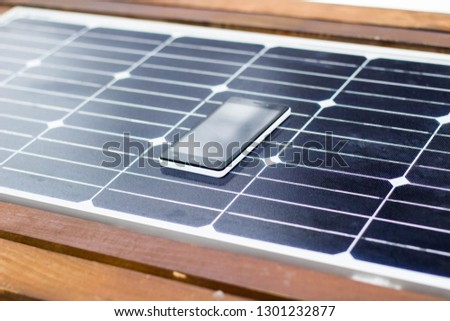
216,145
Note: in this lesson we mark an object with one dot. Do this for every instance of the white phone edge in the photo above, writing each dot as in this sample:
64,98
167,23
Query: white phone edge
221,173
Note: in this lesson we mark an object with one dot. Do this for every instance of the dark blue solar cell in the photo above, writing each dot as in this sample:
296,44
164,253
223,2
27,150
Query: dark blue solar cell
392,104
294,78
4,155
145,36
182,76
154,208
33,33
90,65
46,186
153,100
82,76
374,133
402,258
24,44
129,112
282,234
440,143
445,129
207,54
251,48
231,182
280,135
30,111
116,126
171,89
281,90
380,118
99,53
191,122
89,138
399,91
60,169
192,64
19,54
207,108
300,215
328,179
419,67
113,43
404,78
407,235
434,159
343,163
429,176
173,191
12,141
30,23
415,214
317,55
313,196
21,126
422,195
295,122
304,66
356,147
77,154
54,86
300,107
10,66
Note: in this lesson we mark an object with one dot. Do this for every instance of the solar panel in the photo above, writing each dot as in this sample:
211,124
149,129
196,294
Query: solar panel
356,181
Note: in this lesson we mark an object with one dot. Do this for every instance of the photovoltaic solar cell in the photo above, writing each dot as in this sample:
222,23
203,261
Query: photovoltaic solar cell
67,89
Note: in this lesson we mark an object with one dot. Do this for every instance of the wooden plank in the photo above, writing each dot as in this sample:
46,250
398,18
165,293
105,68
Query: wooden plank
233,273
318,11
331,30
35,273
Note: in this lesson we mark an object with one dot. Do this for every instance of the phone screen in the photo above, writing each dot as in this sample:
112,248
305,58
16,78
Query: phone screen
229,132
